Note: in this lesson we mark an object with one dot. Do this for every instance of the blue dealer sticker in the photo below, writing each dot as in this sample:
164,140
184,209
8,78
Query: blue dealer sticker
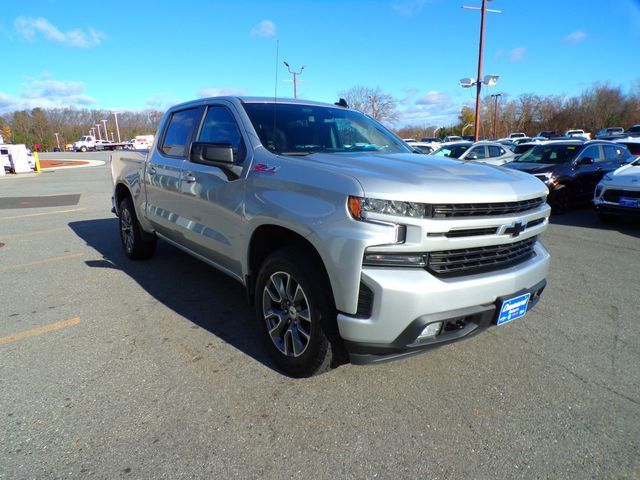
513,308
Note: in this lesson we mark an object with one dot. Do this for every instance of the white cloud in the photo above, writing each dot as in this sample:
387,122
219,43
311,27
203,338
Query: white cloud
409,8
220,92
576,37
30,27
264,29
434,108
517,54
45,92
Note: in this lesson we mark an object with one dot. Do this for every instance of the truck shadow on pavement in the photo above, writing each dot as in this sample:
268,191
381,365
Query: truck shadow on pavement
587,218
189,287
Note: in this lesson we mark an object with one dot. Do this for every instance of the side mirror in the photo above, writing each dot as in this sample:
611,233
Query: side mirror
211,153
473,157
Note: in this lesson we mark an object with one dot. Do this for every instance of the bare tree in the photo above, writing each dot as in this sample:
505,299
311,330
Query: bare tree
374,102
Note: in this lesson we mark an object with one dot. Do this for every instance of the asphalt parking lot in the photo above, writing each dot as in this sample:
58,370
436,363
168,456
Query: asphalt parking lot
116,369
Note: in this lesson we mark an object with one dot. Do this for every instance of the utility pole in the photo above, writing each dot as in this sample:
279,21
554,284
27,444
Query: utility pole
99,131
483,11
115,115
295,77
57,141
495,114
106,134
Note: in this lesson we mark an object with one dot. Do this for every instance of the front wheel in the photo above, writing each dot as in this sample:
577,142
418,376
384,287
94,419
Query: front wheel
137,244
294,307
83,149
560,200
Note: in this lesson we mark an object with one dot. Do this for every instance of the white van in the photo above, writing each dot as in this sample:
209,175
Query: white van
142,142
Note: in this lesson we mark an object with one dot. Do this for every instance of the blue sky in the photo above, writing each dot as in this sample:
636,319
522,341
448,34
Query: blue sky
141,54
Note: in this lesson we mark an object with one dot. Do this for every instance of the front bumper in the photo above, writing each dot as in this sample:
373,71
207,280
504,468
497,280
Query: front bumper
405,301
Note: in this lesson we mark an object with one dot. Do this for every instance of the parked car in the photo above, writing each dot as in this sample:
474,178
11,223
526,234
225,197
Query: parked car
618,193
548,134
422,147
431,139
633,144
577,133
607,132
452,138
517,135
485,152
570,168
633,131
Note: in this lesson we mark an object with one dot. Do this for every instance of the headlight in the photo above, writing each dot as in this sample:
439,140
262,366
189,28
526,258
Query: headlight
546,177
359,207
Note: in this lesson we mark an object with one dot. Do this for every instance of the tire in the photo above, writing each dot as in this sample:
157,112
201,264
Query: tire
137,244
83,149
560,200
296,313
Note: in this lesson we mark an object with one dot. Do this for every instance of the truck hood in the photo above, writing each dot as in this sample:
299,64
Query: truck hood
424,178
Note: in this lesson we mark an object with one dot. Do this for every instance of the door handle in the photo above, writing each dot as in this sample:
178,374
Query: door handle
189,178
152,171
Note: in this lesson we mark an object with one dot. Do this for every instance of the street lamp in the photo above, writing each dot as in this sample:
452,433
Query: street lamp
57,141
106,134
495,114
465,127
483,9
295,76
99,131
115,115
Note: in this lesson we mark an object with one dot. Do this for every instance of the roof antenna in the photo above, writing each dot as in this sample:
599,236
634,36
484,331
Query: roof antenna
342,103
275,92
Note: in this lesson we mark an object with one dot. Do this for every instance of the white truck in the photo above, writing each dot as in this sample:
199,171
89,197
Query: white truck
347,242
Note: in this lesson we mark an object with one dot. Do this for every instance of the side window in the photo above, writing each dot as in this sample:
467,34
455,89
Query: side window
477,152
613,153
592,152
220,127
495,151
178,134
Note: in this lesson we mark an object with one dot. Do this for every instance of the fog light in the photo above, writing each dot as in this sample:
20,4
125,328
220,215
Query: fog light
431,330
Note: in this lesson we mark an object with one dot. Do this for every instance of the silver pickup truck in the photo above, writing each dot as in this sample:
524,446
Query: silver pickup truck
350,245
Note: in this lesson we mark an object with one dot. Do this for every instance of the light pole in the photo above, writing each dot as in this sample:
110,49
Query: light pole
483,11
495,114
435,130
465,127
57,141
115,115
106,134
99,131
111,137
92,132
295,76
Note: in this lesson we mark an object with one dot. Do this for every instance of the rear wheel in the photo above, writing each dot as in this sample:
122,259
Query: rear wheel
137,244
294,307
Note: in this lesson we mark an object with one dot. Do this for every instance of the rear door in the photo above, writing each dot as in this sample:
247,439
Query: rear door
212,197
164,169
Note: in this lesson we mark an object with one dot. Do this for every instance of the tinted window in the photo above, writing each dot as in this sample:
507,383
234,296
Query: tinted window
634,148
476,152
220,127
552,154
592,152
452,151
495,151
178,133
614,153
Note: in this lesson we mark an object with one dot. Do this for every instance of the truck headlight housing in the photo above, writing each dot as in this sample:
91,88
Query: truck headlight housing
359,207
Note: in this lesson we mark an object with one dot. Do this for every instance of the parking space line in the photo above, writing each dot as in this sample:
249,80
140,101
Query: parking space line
40,262
40,330
57,212
37,232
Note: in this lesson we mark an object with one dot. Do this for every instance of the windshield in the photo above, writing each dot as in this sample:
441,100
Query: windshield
291,129
453,151
554,154
84,139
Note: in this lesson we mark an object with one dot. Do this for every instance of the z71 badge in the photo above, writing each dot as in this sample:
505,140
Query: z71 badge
264,168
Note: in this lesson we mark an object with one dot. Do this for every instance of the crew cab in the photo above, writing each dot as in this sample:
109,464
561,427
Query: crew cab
350,246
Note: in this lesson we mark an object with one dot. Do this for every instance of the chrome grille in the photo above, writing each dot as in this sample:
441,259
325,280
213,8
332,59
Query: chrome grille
468,261
444,210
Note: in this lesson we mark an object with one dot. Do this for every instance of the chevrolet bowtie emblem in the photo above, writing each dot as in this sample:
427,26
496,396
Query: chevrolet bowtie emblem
516,229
